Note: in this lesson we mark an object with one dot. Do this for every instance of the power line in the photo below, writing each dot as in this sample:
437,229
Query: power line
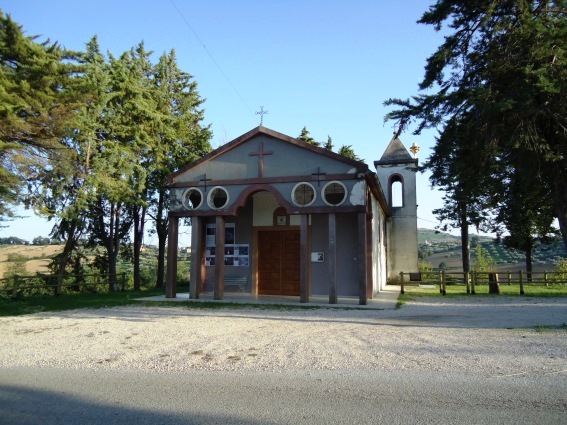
429,221
210,55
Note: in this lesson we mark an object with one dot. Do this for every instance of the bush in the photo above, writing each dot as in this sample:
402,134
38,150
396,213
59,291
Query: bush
561,271
16,265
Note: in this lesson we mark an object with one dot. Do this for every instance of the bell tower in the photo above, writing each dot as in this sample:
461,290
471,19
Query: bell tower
396,171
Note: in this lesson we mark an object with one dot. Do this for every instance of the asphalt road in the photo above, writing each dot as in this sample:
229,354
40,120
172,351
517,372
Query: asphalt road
65,396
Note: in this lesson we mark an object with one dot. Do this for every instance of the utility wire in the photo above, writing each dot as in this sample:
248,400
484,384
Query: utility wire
429,221
210,55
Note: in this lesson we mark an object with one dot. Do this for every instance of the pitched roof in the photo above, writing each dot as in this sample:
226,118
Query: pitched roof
396,153
360,166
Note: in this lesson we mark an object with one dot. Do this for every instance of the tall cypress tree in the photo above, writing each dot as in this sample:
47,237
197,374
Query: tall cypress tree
182,139
36,104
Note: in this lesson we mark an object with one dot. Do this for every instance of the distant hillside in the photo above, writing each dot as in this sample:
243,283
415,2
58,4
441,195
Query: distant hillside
438,247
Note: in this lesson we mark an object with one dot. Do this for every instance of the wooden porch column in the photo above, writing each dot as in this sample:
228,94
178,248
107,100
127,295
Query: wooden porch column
219,259
304,261
369,257
172,241
197,253
362,270
332,258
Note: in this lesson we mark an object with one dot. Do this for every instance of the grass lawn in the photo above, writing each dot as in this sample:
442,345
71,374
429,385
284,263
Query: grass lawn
38,303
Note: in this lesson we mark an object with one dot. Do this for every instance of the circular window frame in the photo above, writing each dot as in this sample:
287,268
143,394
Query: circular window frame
325,198
210,201
184,198
295,189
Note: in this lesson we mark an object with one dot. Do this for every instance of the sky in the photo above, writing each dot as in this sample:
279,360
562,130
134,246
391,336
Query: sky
327,65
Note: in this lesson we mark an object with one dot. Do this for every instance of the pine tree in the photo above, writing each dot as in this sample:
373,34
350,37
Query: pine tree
305,137
348,152
506,61
182,139
35,107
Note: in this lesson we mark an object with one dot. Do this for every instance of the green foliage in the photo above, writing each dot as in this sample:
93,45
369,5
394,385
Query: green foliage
13,240
16,265
39,303
40,240
484,261
36,107
561,270
496,92
304,136
426,269
348,152
95,138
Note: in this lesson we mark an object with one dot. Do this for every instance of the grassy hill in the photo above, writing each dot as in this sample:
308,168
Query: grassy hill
438,247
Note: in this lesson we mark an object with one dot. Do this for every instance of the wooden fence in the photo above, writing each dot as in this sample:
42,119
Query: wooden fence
20,285
471,279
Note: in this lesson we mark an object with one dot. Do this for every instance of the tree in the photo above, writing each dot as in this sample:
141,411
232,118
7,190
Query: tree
527,226
504,60
348,152
484,261
329,145
16,265
181,140
40,240
464,170
35,106
305,137
120,173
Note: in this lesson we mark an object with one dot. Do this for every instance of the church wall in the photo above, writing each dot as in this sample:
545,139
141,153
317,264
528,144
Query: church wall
243,236
347,251
347,245
379,275
403,246
284,160
319,243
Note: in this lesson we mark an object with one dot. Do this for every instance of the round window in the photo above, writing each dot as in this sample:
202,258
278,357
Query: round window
334,193
303,194
218,198
192,198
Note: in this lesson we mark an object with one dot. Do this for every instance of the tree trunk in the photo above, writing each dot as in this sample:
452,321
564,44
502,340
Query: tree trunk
70,242
493,286
559,190
465,243
529,261
161,230
139,215
112,246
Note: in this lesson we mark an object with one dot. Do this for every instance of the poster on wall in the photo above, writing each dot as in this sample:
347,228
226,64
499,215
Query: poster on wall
229,234
237,255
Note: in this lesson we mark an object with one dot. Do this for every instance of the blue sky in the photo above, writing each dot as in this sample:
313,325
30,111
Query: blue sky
325,64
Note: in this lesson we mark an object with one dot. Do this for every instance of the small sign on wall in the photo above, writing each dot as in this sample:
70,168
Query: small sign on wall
317,257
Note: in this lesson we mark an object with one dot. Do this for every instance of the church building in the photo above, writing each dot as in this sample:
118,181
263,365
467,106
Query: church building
272,215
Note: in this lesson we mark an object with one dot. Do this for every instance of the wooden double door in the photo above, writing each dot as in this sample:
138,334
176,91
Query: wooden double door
278,262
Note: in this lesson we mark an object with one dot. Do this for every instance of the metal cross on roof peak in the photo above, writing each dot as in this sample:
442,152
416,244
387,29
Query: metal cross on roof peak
261,112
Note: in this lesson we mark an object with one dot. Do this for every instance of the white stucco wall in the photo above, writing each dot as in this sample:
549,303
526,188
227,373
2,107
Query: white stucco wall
379,272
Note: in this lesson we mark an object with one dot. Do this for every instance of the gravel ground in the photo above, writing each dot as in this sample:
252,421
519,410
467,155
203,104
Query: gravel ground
490,336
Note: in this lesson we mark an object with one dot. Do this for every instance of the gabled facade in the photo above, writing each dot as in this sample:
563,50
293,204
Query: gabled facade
280,217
